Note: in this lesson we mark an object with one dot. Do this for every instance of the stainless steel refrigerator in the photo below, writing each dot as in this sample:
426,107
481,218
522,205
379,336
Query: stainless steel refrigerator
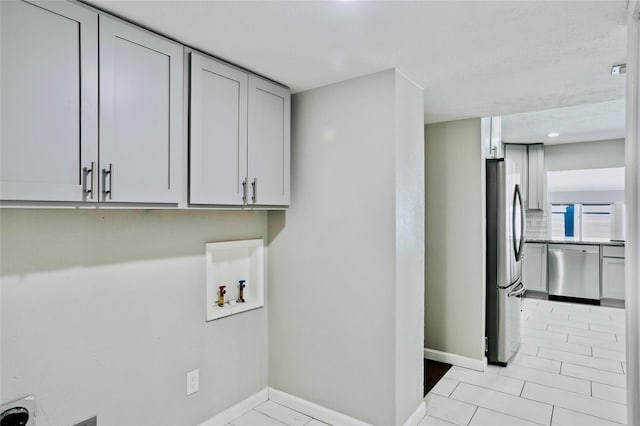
505,246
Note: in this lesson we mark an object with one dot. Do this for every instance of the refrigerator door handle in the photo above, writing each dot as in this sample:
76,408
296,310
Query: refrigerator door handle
517,245
517,291
516,281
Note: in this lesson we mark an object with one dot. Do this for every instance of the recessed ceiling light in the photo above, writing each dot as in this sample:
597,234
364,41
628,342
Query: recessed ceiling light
553,134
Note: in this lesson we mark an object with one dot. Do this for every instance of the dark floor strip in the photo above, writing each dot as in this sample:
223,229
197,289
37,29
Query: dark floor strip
433,372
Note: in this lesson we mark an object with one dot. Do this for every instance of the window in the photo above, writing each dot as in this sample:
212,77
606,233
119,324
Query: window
581,221
596,221
565,221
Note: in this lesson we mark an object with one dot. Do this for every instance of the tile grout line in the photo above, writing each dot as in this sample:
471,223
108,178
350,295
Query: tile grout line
473,415
510,394
586,366
590,380
273,418
440,418
595,417
553,387
454,388
574,409
288,408
507,414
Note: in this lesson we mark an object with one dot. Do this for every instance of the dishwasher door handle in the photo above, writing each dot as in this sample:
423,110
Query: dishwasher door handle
576,248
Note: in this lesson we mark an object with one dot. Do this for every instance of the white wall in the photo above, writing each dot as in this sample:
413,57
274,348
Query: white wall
103,313
632,187
584,155
455,239
410,206
346,257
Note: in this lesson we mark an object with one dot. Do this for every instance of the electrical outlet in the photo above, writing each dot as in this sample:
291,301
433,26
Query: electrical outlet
193,381
93,421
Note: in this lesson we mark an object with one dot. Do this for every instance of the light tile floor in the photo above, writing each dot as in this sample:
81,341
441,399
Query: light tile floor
569,371
272,414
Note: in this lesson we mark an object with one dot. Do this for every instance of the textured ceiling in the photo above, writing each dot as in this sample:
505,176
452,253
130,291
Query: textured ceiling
473,58
582,123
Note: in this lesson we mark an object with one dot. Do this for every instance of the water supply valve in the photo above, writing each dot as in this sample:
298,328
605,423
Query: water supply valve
221,293
241,287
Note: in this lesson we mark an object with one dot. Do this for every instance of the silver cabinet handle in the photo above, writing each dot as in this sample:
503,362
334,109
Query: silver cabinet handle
106,172
254,184
244,191
88,172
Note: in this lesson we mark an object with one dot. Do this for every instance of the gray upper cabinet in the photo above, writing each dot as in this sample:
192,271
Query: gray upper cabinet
93,110
218,133
530,160
49,119
239,149
57,65
140,115
269,144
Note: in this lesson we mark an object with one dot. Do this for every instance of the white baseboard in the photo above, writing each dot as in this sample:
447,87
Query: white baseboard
302,406
417,415
237,410
459,360
313,410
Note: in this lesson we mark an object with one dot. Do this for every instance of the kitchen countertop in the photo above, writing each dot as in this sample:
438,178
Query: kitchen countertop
589,242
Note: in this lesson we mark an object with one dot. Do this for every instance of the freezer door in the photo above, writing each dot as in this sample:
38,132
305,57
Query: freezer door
509,322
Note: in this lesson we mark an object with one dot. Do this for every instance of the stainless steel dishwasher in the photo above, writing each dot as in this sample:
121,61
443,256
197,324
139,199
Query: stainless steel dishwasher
574,270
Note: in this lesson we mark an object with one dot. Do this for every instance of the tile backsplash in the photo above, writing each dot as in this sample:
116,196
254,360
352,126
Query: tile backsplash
537,225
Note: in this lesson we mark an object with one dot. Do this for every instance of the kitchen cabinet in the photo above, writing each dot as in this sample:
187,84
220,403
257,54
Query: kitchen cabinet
535,193
218,132
534,267
55,61
613,273
140,115
239,145
268,158
491,130
530,161
49,118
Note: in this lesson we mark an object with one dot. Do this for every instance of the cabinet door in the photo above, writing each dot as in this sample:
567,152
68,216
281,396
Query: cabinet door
518,154
49,119
140,115
613,278
218,133
536,177
534,268
269,143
